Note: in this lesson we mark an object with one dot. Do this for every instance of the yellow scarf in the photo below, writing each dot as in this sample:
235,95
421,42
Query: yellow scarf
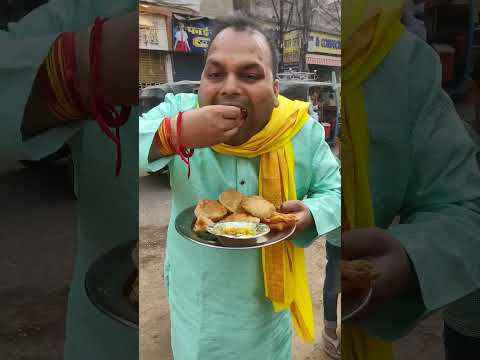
285,277
370,29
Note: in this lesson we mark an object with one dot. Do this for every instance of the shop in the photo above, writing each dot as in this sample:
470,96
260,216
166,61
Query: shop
324,55
190,37
291,51
155,66
324,65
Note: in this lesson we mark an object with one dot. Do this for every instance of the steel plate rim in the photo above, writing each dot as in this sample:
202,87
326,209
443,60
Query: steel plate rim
257,246
360,307
99,306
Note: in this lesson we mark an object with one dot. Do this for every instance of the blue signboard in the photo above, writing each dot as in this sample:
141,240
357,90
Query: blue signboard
191,35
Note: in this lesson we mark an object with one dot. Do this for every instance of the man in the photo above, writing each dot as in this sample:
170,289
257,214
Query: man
462,318
218,302
407,155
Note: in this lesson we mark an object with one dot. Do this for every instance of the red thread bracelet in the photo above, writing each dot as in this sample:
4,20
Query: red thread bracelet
71,69
185,154
106,115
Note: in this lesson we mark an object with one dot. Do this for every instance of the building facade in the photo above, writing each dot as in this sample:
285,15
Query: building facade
174,36
313,48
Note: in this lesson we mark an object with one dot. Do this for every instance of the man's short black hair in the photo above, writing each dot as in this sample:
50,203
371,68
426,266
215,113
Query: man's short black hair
240,22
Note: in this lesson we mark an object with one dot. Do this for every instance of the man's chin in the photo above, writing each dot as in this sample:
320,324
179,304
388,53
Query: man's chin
237,140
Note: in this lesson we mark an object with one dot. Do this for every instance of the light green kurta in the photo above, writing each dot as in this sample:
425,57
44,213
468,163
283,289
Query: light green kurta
107,207
423,168
217,303
464,315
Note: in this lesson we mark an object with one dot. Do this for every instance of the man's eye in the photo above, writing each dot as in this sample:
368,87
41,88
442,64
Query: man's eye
251,76
213,75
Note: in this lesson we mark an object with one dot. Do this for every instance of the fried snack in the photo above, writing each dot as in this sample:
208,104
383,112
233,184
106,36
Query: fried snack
357,275
241,217
135,255
258,207
231,200
278,227
201,224
134,293
210,209
280,222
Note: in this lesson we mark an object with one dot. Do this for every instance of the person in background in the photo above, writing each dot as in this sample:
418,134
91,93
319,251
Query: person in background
331,289
411,21
313,108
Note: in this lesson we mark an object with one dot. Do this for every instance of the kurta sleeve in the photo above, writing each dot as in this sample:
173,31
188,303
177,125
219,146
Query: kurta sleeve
25,46
440,219
150,121
323,197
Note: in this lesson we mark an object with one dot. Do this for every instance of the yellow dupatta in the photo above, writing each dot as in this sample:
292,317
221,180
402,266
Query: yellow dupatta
285,276
370,29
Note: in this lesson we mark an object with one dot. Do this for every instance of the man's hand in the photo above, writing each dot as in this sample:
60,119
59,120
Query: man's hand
210,125
301,211
118,73
386,253
118,61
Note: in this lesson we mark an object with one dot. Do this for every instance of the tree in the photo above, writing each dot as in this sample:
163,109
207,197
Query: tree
329,14
294,15
303,15
283,21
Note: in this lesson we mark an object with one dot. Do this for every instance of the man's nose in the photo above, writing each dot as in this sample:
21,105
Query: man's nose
231,86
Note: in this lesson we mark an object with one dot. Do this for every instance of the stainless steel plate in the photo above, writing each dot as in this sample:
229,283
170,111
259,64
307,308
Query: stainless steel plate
184,224
105,284
353,304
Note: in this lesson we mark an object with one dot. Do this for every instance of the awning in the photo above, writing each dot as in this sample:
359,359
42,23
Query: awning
315,59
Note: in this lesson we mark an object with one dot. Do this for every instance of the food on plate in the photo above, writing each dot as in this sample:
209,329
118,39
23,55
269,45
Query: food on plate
234,231
133,297
211,209
233,206
280,222
241,217
130,287
201,224
357,275
258,207
231,199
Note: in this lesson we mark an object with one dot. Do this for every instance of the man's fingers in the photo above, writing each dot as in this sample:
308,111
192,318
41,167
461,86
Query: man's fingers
230,133
229,112
362,243
228,124
291,206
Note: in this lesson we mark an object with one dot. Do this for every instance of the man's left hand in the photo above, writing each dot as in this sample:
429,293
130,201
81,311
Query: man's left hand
301,211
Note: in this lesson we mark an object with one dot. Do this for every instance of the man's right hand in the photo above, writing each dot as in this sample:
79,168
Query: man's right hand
210,125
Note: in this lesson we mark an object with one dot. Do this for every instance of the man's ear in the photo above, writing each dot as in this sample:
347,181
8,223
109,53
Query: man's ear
276,91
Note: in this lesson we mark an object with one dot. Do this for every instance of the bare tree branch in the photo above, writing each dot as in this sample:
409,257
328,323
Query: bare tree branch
290,13
275,9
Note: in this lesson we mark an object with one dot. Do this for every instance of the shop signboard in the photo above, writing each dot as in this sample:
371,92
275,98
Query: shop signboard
191,35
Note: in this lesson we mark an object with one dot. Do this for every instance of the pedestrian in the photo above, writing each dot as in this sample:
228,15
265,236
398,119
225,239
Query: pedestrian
331,290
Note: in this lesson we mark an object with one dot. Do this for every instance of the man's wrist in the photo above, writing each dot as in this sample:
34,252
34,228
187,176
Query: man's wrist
83,79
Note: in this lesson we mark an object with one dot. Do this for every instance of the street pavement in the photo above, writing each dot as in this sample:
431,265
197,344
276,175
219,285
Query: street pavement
36,257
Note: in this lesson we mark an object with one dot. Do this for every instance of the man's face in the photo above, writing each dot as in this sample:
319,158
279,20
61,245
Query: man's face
238,72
